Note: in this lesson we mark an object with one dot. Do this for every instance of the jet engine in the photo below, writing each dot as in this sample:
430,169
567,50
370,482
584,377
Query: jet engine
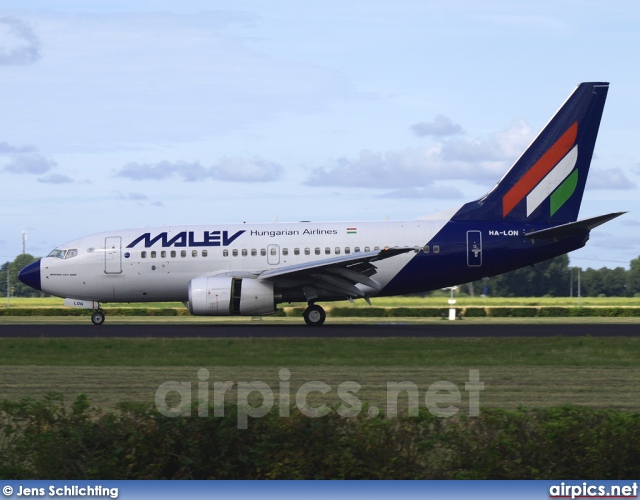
227,296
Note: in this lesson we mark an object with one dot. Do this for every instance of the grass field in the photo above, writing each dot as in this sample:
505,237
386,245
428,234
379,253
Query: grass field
599,373
297,320
439,300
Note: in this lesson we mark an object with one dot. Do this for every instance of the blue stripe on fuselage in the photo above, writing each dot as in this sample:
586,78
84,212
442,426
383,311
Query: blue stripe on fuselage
504,248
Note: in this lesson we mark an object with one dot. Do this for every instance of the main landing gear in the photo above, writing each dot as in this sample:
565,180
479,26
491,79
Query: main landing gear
97,318
314,315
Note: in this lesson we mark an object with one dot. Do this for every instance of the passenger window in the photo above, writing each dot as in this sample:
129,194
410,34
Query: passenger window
307,251
244,252
254,252
356,249
234,252
366,249
285,251
317,251
263,252
205,253
425,249
153,254
327,250
173,254
143,255
347,250
183,253
225,253
436,248
163,254
296,251
337,250
273,251
376,248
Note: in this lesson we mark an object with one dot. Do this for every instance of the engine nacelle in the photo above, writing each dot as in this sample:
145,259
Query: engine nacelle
227,296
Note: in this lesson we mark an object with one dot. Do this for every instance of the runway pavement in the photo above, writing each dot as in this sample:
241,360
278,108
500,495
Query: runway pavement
326,331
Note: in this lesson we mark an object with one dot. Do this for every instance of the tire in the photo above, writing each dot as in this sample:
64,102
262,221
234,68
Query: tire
97,318
314,315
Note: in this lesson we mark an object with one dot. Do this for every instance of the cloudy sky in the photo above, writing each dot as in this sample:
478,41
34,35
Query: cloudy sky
144,113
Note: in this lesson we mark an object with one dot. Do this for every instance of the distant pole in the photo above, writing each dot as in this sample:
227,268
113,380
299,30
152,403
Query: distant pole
24,242
579,287
8,290
571,282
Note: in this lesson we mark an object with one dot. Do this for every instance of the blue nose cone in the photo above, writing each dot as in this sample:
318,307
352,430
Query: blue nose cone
30,275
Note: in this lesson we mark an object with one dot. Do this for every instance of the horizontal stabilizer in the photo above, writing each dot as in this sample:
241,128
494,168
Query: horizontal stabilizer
572,228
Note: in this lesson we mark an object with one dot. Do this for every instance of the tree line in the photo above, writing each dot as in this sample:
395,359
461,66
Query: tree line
553,278
18,289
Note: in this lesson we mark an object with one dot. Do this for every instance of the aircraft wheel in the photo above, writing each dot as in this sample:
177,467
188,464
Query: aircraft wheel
97,318
314,315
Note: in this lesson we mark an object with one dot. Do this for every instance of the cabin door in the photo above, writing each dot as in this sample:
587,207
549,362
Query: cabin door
474,248
113,255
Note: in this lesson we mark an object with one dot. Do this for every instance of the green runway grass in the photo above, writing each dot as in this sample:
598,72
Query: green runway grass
439,300
528,372
415,352
297,320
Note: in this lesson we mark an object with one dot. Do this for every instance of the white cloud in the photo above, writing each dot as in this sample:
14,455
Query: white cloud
483,160
441,126
506,144
246,170
161,170
105,75
18,42
6,148
55,179
29,164
227,169
630,222
133,197
612,178
439,192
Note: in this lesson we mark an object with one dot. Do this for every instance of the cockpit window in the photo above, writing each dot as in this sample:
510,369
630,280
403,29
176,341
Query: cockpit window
63,254
57,253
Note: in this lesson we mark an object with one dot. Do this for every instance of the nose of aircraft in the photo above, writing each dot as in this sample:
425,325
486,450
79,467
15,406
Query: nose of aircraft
30,275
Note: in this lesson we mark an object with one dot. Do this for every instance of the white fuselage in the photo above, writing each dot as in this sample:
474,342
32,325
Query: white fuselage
156,264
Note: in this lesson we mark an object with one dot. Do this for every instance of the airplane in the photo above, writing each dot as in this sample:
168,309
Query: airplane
248,269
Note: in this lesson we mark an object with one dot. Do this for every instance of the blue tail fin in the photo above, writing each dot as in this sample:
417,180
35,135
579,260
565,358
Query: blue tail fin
545,185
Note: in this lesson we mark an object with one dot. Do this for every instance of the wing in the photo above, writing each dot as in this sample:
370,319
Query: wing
337,276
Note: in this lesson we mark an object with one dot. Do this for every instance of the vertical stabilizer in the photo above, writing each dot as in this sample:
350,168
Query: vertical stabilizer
545,185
